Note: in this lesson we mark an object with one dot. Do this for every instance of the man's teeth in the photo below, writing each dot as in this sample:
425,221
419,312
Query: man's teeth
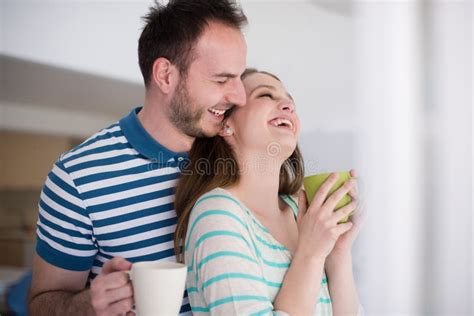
279,122
217,112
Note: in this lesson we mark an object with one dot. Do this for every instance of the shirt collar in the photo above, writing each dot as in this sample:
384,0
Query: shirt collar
144,143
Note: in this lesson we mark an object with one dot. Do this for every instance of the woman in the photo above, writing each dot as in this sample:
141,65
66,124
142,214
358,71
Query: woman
248,247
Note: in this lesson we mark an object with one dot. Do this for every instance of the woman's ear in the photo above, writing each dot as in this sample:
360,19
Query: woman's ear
164,75
225,131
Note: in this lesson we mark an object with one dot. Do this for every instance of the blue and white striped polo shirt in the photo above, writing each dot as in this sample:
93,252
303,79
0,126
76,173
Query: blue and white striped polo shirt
110,196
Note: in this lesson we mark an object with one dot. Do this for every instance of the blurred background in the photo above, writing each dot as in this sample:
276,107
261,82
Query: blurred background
384,87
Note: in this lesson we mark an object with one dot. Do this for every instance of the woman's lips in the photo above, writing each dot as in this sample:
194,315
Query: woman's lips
282,122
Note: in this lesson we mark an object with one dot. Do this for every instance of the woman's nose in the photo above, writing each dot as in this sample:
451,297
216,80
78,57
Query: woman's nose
287,105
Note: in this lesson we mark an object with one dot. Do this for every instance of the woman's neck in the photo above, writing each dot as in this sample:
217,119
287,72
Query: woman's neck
259,182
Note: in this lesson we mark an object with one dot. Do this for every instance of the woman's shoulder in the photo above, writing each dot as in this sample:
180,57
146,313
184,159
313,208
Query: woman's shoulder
218,199
218,210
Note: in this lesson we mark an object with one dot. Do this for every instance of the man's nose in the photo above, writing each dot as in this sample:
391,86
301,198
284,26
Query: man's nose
236,94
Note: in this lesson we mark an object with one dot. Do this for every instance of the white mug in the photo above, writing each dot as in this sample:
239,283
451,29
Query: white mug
158,287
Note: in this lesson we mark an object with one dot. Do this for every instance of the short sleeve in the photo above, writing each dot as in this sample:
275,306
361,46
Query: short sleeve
64,230
224,276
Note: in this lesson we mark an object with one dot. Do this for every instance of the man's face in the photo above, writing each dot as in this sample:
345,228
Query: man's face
212,84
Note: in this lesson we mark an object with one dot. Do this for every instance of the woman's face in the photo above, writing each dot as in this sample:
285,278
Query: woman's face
268,123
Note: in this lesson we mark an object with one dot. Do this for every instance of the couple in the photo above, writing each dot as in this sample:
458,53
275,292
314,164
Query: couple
110,201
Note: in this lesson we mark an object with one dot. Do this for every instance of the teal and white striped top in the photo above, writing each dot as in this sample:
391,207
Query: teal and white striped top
235,266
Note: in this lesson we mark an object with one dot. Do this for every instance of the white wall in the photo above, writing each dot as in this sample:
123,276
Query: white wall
450,126
389,152
414,150
97,37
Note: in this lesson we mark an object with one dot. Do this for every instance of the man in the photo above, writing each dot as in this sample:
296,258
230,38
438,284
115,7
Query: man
109,201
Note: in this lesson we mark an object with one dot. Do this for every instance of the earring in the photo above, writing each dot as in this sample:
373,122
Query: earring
228,131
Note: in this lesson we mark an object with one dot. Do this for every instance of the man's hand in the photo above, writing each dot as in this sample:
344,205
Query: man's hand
111,291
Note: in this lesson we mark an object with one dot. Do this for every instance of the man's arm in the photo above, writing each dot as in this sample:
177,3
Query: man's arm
56,291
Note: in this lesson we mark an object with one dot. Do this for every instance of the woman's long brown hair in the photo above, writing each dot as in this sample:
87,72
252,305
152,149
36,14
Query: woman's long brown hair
211,164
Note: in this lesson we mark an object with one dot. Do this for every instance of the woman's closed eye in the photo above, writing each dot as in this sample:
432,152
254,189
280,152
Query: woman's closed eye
266,95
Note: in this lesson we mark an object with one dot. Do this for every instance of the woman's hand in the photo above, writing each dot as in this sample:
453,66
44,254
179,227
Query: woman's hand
318,230
343,246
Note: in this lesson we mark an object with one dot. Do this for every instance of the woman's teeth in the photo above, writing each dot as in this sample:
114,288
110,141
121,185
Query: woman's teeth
282,122
217,112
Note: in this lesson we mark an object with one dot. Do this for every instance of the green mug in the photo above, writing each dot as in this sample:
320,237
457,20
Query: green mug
314,182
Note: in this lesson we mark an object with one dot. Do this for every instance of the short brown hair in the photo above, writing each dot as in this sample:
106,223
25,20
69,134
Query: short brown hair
171,31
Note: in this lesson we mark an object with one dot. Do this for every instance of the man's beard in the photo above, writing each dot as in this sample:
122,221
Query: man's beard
184,115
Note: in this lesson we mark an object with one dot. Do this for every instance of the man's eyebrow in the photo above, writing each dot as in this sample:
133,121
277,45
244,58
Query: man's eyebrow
226,75
269,87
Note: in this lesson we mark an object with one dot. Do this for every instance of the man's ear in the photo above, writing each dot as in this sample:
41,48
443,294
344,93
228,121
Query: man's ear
164,75
226,131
